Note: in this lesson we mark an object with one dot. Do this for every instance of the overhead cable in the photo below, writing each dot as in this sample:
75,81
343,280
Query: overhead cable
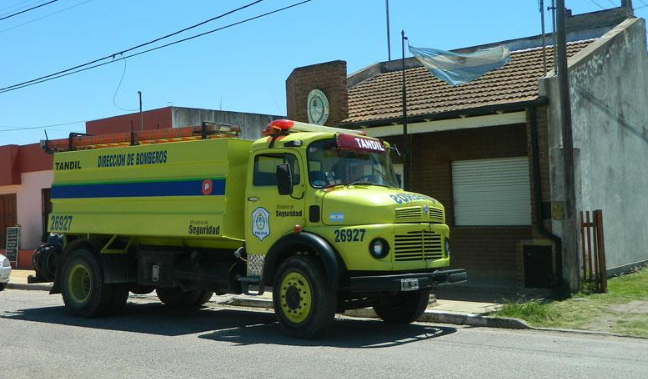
85,67
113,55
28,9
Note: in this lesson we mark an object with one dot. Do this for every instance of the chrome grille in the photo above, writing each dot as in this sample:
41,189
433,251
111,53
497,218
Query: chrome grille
409,213
418,245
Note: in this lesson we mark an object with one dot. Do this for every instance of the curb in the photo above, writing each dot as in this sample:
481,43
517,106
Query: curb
29,287
473,320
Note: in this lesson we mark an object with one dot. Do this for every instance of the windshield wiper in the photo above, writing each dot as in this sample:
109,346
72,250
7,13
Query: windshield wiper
365,182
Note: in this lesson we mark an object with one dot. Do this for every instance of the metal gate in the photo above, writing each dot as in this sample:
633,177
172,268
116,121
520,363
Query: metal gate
593,247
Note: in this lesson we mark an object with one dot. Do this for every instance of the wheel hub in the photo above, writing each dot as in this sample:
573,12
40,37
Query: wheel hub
292,298
295,296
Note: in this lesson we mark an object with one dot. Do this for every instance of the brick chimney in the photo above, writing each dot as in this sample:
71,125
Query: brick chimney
330,78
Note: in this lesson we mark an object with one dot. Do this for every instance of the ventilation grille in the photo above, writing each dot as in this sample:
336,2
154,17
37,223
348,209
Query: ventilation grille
418,245
436,216
409,214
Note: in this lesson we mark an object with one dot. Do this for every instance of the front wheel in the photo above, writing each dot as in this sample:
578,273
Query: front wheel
404,308
304,305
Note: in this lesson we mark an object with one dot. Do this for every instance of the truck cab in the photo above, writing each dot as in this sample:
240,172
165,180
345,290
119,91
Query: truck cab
327,206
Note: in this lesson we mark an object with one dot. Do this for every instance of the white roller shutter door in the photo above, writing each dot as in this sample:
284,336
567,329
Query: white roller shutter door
492,192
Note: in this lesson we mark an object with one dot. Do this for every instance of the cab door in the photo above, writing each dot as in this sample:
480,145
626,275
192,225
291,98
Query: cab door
269,216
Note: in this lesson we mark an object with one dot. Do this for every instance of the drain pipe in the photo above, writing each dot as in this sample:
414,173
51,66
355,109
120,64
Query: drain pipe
537,190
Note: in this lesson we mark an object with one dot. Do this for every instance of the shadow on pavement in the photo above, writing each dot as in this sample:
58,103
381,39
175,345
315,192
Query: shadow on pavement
239,326
345,333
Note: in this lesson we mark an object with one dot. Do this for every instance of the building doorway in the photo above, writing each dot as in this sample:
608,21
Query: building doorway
8,216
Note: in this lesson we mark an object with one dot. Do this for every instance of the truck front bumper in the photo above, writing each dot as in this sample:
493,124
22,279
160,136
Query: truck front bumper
403,282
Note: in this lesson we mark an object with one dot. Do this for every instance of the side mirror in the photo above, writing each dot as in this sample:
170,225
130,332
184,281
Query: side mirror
284,179
399,179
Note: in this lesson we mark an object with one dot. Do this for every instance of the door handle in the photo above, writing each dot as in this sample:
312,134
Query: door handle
253,199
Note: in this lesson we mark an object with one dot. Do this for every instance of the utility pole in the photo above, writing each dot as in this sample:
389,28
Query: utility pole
406,163
570,226
388,38
139,93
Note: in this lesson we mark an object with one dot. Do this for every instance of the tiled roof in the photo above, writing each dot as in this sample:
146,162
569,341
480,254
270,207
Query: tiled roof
379,97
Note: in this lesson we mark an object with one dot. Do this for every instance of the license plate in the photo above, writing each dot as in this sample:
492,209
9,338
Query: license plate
409,284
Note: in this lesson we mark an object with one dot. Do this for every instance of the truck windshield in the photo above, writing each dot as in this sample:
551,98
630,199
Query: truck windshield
329,166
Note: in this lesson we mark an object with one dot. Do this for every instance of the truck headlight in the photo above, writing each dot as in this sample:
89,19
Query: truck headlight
447,247
379,248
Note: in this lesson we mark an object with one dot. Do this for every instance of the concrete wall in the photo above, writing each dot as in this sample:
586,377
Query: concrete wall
251,123
609,98
29,205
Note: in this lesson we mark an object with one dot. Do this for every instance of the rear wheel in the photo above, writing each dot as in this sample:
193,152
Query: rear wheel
203,298
177,298
119,299
404,308
139,289
304,305
84,293
3,286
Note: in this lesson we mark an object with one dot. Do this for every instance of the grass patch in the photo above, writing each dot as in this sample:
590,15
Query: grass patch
623,309
532,310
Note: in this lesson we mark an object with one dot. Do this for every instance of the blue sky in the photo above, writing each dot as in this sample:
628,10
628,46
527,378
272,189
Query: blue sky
243,68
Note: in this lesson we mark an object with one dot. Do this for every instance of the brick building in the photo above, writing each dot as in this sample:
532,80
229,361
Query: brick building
491,151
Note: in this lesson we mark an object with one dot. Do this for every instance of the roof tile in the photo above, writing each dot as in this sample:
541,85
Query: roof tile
379,97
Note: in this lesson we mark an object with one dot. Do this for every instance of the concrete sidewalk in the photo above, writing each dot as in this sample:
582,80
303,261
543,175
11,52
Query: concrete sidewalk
461,306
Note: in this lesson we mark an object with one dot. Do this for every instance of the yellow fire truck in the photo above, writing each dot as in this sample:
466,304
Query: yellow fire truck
315,213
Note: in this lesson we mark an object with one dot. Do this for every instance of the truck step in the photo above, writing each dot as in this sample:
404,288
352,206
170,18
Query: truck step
247,281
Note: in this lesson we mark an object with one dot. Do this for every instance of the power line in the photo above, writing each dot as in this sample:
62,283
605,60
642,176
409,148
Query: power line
19,6
28,9
82,68
46,16
16,5
38,80
597,4
16,128
117,90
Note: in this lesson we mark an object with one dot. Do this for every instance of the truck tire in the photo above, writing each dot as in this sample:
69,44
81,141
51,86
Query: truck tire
405,308
177,298
139,289
3,286
119,299
84,293
304,304
203,298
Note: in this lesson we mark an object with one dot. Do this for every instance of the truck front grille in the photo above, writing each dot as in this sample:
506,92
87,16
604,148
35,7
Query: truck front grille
418,245
415,214
409,214
436,216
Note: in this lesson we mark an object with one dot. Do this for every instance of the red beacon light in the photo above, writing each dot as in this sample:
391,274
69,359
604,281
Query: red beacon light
278,126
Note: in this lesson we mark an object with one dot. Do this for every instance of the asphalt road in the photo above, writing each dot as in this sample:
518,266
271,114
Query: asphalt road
39,340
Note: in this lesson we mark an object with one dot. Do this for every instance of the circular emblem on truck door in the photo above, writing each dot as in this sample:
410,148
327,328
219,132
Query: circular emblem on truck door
207,187
260,223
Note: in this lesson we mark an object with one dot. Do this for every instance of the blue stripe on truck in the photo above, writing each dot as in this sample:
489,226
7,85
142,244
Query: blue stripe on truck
148,189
